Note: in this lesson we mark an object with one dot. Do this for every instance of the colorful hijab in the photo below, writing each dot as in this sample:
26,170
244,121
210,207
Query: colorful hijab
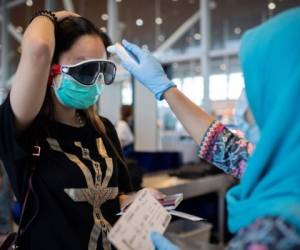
270,59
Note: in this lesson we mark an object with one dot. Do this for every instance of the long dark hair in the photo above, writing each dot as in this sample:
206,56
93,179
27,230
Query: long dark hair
67,31
70,29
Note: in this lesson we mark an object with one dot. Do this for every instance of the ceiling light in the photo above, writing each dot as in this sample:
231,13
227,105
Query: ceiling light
272,6
213,5
103,29
139,22
237,30
197,36
19,29
223,66
104,17
158,20
161,38
118,1
29,3
145,47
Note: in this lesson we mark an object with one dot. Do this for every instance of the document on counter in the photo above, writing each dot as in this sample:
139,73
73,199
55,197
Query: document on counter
169,202
145,215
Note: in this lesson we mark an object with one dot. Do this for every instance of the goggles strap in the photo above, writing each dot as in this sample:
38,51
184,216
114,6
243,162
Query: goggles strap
54,71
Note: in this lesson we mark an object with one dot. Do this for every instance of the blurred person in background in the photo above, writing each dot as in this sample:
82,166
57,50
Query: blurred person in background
124,128
244,119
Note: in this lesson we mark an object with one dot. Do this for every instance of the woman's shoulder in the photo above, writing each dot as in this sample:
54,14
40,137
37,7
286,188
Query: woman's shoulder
109,126
111,131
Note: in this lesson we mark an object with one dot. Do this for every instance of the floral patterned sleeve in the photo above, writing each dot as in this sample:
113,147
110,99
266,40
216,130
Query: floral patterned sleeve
225,150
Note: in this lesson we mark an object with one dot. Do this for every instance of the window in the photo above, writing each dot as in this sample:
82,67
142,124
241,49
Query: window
226,87
127,93
192,87
235,85
218,87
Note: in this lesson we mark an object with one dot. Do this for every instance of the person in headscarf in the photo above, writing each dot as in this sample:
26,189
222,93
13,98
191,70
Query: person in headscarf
264,209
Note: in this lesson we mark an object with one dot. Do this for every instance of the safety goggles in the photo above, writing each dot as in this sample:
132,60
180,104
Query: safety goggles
88,72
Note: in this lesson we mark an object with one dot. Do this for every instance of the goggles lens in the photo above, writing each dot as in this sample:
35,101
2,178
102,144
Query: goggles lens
88,72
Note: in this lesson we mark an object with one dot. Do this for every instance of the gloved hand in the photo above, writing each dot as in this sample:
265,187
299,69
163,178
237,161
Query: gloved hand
148,71
161,243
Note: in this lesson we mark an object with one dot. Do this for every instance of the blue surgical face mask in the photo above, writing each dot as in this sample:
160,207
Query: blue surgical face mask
75,95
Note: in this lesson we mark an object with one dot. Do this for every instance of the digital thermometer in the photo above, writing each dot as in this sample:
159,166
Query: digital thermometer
121,52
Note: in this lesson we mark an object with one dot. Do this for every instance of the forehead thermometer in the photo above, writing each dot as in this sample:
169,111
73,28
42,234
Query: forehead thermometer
121,52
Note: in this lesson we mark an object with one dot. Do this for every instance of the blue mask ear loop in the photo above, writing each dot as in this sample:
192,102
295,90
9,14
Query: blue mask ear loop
54,83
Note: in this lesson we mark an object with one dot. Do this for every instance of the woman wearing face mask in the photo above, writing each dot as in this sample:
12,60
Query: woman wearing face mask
264,209
80,176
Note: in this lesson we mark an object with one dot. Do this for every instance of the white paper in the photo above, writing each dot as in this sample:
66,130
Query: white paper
145,215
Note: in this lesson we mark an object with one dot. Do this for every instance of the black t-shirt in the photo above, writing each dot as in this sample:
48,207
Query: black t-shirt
78,179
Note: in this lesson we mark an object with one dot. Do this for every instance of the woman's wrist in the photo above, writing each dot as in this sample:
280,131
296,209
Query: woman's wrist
55,17
169,92
47,14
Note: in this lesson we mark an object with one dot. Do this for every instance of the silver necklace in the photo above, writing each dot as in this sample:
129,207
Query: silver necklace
79,119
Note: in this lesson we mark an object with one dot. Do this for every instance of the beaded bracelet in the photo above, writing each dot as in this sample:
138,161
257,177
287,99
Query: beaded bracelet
45,13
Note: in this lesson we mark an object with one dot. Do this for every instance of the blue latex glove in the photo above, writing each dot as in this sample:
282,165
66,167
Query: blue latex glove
148,70
161,243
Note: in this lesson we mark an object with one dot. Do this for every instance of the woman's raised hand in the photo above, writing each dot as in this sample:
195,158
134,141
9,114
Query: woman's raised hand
60,15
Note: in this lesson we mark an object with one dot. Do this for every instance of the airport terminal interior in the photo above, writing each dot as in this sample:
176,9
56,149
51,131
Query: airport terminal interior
197,42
